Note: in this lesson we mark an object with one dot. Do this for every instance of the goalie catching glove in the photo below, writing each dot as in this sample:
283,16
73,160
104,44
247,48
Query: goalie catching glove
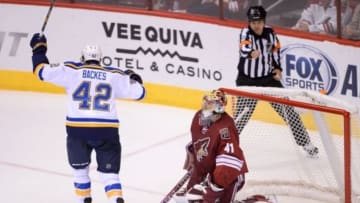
134,76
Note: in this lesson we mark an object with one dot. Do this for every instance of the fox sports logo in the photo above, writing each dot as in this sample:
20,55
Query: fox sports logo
308,68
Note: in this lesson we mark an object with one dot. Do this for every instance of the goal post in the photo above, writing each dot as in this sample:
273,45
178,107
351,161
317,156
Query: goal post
276,125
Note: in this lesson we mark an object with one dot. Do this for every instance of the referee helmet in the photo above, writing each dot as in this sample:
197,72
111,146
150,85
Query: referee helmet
256,13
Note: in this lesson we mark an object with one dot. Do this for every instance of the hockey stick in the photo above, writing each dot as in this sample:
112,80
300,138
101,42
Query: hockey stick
52,3
178,185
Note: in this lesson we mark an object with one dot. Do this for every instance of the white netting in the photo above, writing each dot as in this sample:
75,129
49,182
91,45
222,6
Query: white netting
281,145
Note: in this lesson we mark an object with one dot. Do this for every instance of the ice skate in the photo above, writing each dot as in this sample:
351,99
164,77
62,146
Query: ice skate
87,200
119,200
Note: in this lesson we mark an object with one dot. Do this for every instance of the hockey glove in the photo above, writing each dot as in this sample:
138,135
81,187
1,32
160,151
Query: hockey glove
39,48
134,76
38,44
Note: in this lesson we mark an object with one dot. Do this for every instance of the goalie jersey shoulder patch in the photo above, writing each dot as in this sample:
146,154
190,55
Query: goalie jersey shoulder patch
224,133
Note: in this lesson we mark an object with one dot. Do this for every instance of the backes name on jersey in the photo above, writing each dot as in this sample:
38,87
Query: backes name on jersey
99,75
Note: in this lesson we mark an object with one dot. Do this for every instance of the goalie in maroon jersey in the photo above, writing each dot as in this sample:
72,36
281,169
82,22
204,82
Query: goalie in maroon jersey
214,156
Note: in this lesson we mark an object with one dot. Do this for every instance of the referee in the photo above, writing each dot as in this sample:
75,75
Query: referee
259,65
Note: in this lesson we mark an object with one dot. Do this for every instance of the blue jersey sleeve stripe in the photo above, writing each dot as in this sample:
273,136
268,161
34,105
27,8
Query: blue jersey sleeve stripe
71,65
78,64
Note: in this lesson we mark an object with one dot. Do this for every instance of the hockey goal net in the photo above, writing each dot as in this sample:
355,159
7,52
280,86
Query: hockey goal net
298,144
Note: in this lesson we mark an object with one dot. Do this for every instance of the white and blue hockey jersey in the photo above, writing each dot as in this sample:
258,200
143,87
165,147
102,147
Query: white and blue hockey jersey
91,91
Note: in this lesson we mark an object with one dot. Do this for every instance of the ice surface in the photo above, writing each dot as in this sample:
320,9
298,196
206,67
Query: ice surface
33,162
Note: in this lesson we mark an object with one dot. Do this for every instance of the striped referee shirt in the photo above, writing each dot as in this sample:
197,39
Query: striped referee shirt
269,46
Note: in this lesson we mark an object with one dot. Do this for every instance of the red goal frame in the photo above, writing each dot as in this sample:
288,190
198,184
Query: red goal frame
346,122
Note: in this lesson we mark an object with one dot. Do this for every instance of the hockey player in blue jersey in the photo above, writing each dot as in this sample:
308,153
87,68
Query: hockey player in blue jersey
91,121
